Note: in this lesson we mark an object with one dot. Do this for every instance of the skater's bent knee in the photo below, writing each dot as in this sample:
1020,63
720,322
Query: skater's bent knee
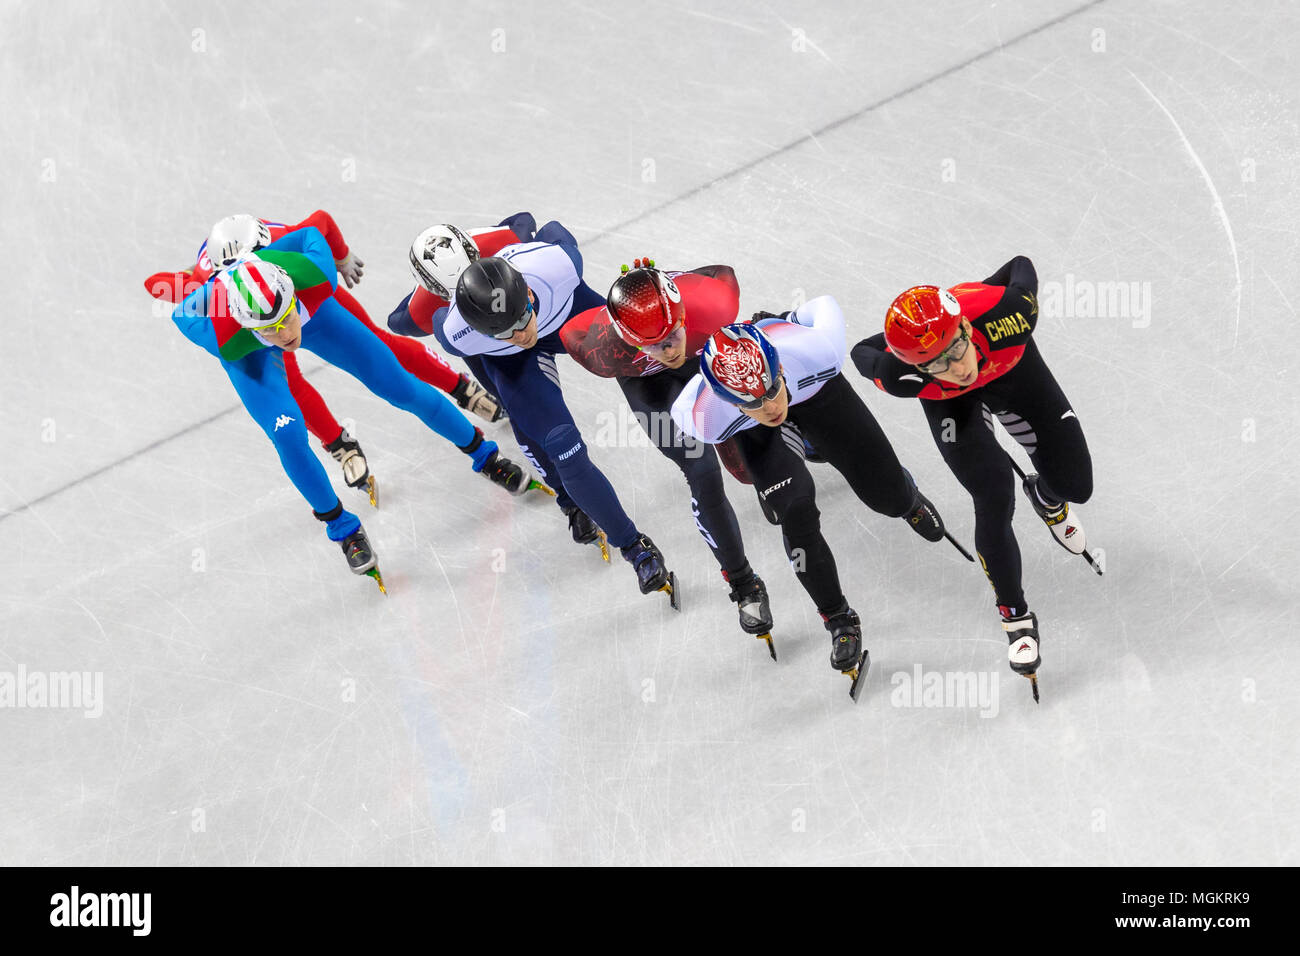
800,517
1079,487
565,446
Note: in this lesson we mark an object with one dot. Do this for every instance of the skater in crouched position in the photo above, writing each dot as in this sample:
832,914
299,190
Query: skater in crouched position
648,336
507,312
771,385
968,354
250,314
238,235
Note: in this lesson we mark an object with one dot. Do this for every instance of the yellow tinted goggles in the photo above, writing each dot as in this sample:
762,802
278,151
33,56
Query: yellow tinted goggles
289,313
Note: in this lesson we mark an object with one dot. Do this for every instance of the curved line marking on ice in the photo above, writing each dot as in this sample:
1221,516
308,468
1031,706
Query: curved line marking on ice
1209,183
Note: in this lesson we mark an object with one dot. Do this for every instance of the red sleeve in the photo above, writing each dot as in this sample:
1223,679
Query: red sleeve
424,303
323,221
591,341
492,241
710,304
422,306
171,286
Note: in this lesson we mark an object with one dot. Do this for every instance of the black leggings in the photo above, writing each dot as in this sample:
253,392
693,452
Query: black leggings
1036,412
845,433
651,399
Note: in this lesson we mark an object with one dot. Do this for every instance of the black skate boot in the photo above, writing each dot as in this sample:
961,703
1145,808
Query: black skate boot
356,472
361,558
651,574
500,470
505,473
585,531
750,596
1022,649
477,400
847,653
923,518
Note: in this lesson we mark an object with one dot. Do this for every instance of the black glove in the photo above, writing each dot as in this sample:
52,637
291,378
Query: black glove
760,316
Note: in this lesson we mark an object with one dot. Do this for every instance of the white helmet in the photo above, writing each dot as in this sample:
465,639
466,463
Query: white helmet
235,236
439,255
257,293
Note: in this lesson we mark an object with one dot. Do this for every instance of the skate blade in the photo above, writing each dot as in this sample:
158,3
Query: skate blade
602,542
1091,562
379,579
856,675
771,648
1033,683
535,485
372,488
956,544
671,587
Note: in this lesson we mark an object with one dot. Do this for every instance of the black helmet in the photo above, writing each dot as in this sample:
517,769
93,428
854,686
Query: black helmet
493,297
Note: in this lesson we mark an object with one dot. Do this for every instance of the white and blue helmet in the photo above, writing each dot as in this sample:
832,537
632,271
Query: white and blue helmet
741,365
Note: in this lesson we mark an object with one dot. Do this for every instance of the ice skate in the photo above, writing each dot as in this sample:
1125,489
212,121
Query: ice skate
750,597
651,573
361,558
477,400
1067,529
1022,649
346,450
925,520
848,656
585,531
501,471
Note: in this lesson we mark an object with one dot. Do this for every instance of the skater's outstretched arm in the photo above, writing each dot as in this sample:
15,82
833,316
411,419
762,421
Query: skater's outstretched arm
590,340
556,235
324,223
823,314
1018,272
890,373
521,224
306,256
722,273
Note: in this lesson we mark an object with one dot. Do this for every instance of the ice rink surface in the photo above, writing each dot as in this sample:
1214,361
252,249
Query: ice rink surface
512,700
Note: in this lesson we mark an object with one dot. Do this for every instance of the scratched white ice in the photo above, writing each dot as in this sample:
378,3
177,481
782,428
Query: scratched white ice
514,701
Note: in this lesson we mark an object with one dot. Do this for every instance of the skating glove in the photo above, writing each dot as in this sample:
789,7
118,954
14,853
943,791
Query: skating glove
350,268
760,316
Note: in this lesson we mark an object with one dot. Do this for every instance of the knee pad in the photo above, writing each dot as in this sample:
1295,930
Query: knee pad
566,449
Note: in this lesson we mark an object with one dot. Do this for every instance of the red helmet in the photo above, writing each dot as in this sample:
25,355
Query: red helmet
921,323
645,305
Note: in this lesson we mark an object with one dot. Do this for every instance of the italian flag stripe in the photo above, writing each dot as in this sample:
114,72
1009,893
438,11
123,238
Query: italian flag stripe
257,293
